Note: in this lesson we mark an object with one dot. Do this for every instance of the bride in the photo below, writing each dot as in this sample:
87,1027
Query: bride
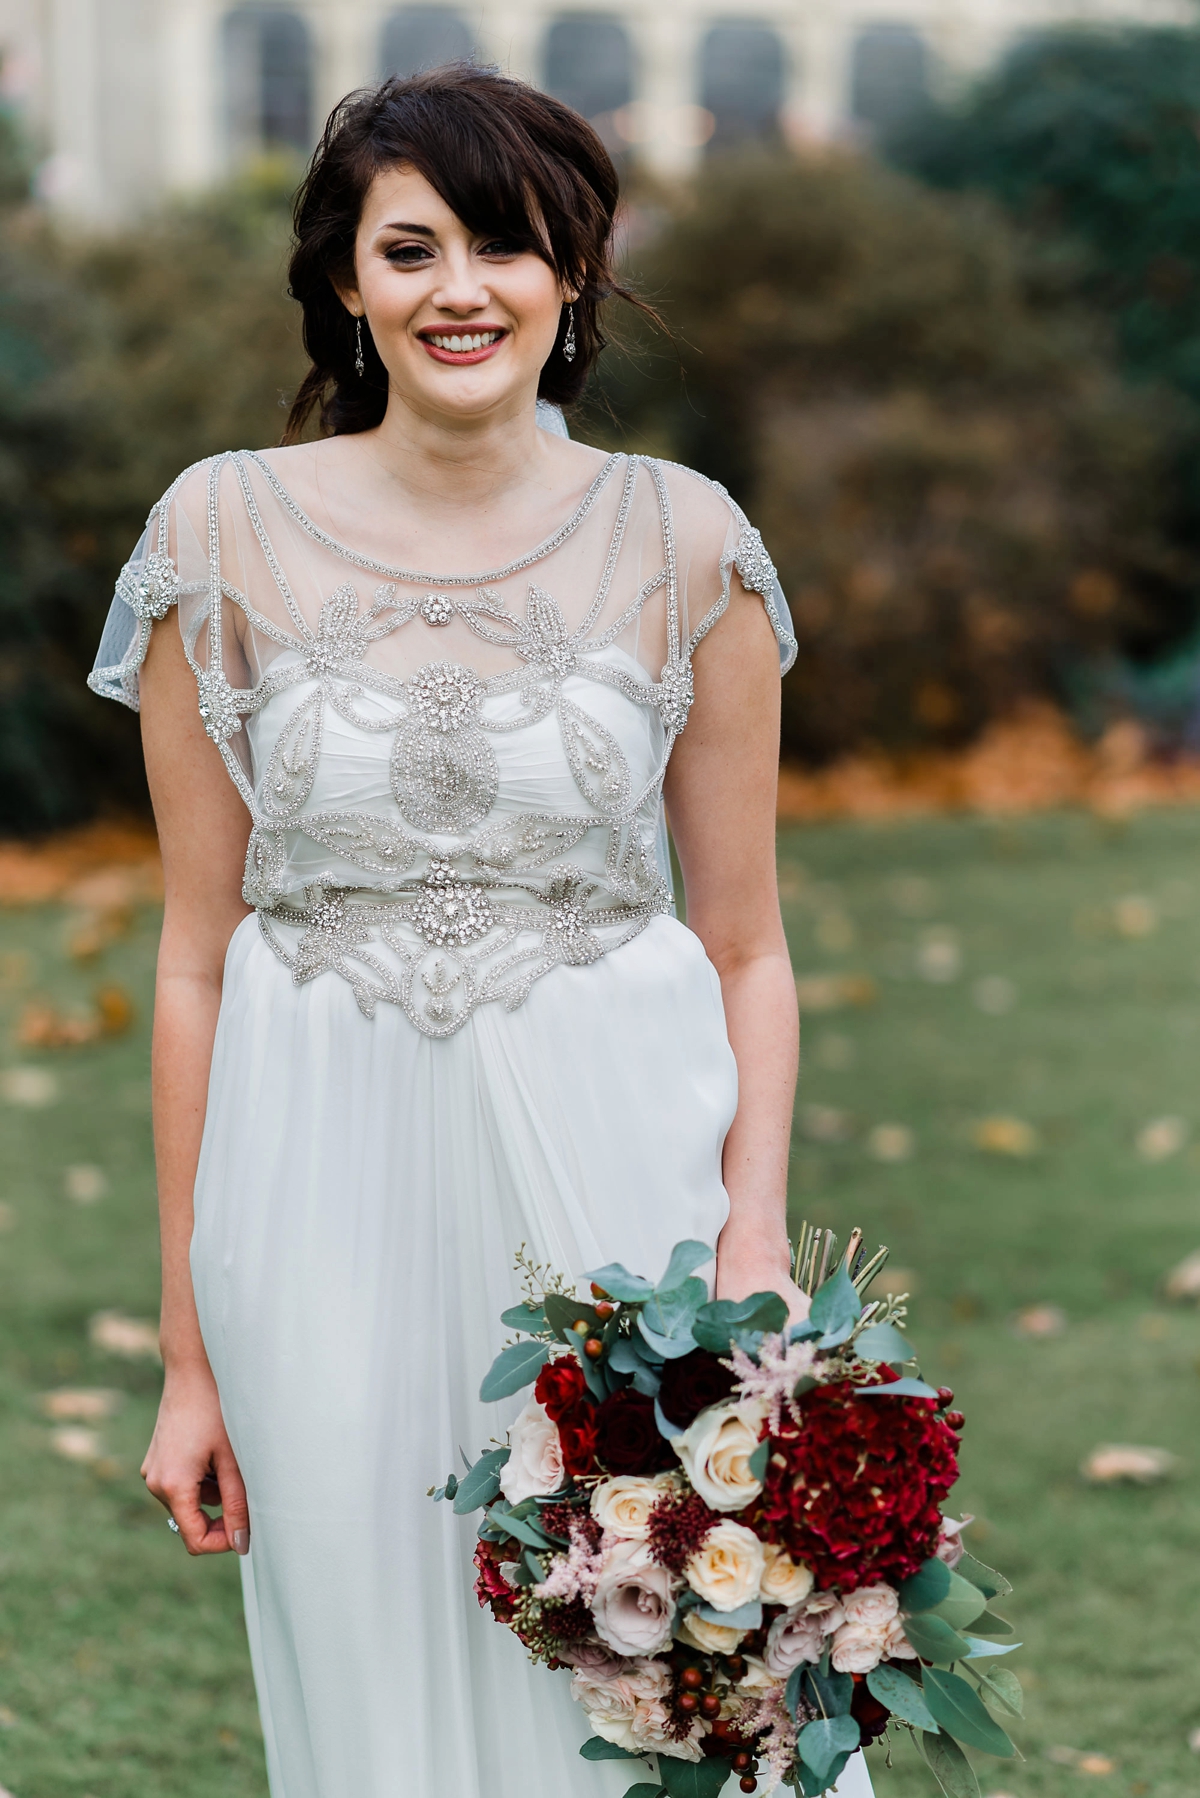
412,696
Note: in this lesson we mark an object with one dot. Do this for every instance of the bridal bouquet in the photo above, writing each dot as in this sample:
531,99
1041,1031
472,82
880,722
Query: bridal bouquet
729,1530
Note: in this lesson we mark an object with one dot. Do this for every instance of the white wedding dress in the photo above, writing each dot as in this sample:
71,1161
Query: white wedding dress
462,1017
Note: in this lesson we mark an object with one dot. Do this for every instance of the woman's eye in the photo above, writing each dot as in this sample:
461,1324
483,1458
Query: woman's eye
408,255
500,246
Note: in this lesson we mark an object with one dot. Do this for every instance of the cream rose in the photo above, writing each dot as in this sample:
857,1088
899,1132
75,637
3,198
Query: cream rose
727,1567
784,1581
897,1647
757,1677
874,1607
951,1546
629,1707
826,1607
792,1638
634,1604
716,1452
713,1638
857,1648
623,1505
535,1466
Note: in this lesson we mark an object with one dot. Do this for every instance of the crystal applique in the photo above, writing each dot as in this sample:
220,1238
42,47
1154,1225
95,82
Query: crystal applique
154,590
449,913
218,707
676,691
753,564
443,782
445,695
437,608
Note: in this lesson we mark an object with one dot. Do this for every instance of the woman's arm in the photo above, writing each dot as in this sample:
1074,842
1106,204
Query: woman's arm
721,791
203,828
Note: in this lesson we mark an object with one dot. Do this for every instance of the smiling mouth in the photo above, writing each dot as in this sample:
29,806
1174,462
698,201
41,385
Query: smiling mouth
463,346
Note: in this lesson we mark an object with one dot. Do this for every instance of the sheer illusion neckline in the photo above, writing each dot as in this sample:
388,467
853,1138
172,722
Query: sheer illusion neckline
422,577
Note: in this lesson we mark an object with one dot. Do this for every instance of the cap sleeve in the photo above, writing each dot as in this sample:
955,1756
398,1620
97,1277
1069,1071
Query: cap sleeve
714,540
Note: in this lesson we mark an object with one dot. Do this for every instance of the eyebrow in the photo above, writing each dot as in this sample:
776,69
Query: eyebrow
418,230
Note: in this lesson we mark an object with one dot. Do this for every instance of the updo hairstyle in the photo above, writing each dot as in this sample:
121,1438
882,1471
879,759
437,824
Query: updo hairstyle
509,160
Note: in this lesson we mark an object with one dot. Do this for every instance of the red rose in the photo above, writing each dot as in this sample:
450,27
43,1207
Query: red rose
859,1495
577,1434
491,1588
691,1384
868,1713
559,1386
627,1437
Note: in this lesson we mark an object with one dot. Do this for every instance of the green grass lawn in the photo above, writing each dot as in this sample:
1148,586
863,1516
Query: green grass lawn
1045,971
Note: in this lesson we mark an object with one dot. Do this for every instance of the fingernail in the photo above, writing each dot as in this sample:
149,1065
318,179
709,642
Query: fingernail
241,1542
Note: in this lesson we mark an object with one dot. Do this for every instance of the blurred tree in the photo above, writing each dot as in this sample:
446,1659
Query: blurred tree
122,360
961,495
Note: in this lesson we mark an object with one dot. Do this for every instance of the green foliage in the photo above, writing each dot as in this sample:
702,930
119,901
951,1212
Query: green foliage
961,494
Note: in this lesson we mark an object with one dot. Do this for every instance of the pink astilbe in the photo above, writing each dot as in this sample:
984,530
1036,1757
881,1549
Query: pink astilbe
774,1376
768,1717
573,1575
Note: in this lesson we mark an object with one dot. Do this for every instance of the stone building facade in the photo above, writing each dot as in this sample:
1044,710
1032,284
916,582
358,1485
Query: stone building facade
129,100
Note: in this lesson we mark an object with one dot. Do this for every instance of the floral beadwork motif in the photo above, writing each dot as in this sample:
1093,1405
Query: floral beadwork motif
383,849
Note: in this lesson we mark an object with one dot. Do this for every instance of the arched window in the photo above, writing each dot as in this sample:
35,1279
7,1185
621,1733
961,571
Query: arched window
890,77
424,37
589,64
741,83
268,80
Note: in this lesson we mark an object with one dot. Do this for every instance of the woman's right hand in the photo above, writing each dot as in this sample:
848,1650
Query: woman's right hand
191,1463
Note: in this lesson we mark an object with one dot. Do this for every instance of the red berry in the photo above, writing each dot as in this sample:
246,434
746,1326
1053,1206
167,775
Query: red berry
691,1678
593,1348
598,1292
955,1419
581,1326
688,1703
710,1705
749,1783
604,1311
722,1728
741,1760
736,1665
945,1396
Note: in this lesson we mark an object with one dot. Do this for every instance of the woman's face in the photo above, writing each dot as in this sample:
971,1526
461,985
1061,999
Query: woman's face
463,322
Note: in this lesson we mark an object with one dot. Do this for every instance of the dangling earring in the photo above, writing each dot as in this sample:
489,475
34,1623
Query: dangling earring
569,339
359,365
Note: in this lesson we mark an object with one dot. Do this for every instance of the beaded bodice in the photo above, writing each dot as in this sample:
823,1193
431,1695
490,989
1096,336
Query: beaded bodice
454,780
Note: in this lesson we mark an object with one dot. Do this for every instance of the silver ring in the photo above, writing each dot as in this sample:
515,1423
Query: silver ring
172,1525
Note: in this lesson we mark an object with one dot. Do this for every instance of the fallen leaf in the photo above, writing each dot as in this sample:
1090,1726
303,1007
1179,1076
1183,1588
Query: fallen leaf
115,1010
835,932
80,1404
1095,1763
891,1142
1005,1136
825,1123
939,955
1117,1463
42,1025
134,1338
31,1087
834,992
75,1443
1136,916
912,895
1040,1321
1162,1138
834,1052
1153,1327
1183,1281
1063,1757
995,994
84,1183
227,1738
8,1216
8,1719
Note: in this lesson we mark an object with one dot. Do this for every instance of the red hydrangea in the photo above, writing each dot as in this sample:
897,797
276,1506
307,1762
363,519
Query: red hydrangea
491,1588
858,1496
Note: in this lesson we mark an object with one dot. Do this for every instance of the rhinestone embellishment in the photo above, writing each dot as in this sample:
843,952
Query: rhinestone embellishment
445,695
437,608
753,564
676,692
449,913
156,589
217,707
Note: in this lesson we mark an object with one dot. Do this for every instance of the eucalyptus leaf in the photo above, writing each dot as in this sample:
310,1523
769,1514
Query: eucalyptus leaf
758,1460
724,1321
990,1583
991,1625
593,1371
520,1317
513,1368
535,1567
623,1356
962,1603
647,1380
812,1787
481,1485
693,1779
665,1426
1002,1684
832,1693
646,1790
686,1257
835,1304
960,1710
950,1766
902,1696
926,1588
673,1313
520,1527
747,1616
562,1312
619,1283
905,1388
820,1742
793,1690
671,1348
981,1650
597,1749
883,1342
934,1640
835,1338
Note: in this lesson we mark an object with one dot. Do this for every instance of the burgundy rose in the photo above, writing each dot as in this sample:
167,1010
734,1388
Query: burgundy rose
577,1434
491,1588
868,1713
627,1437
691,1384
559,1386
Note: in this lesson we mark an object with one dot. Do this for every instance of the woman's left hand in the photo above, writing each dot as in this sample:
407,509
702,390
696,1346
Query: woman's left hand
746,1264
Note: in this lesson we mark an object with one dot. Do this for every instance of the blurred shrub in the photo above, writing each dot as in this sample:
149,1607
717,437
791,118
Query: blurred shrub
961,495
122,360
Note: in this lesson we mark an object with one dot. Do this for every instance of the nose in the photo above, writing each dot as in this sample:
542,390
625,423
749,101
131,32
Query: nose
461,289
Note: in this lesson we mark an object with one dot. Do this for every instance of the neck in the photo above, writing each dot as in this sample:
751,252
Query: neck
441,457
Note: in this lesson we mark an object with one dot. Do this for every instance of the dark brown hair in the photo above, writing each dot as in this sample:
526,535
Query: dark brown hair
508,160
